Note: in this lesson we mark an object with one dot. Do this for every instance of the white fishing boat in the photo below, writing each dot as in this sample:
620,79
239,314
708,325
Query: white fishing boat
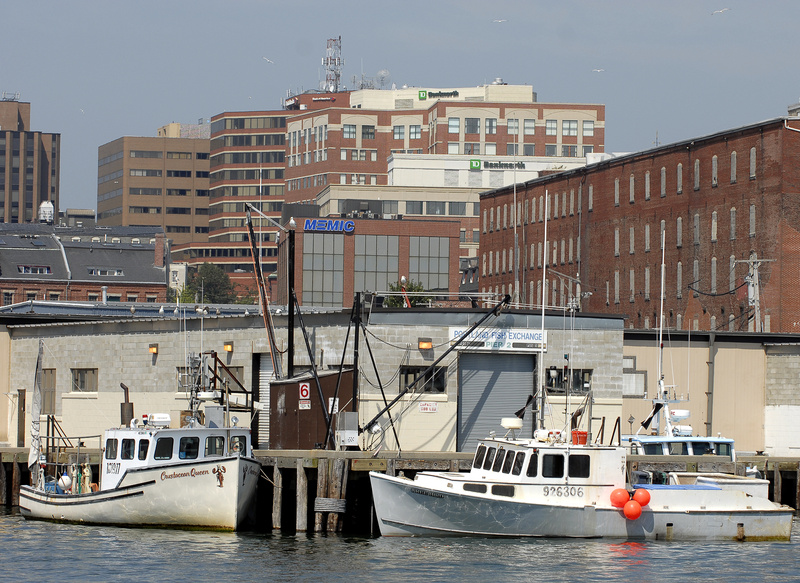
548,487
202,476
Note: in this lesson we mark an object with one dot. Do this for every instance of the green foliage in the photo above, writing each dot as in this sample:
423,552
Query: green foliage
210,285
399,301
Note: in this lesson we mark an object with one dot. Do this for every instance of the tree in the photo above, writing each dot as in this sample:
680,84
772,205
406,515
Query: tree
399,301
210,285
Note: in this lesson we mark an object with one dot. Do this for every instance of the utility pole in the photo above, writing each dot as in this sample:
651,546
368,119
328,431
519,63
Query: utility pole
753,286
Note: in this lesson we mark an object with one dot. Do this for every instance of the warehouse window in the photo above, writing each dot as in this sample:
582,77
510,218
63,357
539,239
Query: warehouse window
434,381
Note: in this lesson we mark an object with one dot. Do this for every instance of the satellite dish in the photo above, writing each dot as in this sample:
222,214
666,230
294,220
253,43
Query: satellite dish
384,77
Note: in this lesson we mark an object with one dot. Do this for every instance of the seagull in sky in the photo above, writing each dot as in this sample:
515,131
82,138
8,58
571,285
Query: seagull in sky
268,60
720,11
597,70
500,20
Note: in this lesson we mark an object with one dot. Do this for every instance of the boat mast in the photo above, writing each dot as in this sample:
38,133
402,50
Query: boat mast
540,404
663,397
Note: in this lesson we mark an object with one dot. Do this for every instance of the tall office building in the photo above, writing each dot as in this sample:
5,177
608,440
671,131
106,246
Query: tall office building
29,163
157,181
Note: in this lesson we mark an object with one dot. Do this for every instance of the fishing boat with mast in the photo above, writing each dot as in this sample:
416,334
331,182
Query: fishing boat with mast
561,484
201,475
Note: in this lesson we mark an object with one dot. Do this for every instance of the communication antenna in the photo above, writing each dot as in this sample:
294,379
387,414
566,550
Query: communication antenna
333,63
383,77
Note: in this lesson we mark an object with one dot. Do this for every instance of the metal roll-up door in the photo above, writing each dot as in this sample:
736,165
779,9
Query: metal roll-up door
492,386
265,376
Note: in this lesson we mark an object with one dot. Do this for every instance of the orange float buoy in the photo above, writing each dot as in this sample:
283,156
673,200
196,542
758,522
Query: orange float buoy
632,510
619,497
642,496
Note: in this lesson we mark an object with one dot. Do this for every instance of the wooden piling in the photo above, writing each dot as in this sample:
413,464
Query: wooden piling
322,491
777,494
15,479
4,485
334,491
301,516
797,493
343,492
277,496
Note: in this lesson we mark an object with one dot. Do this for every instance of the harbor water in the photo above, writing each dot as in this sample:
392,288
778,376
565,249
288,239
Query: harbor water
43,551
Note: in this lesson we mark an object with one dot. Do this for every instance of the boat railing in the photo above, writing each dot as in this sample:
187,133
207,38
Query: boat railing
62,454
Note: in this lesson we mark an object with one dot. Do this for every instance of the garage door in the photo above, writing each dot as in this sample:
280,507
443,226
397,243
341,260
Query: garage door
265,375
492,386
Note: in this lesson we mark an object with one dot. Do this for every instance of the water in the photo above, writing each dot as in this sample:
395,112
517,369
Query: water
42,551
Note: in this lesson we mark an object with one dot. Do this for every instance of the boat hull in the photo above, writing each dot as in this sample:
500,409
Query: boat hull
216,493
415,508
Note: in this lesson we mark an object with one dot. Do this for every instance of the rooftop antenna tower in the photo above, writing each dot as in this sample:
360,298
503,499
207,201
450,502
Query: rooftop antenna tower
333,63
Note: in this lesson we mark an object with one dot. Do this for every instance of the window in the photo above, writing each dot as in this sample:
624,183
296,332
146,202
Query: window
551,127
189,448
513,127
529,128
472,125
434,208
399,132
578,466
349,131
84,380
453,125
588,128
452,148
238,444
127,449
434,381
498,459
569,127
479,455
472,149
550,150
581,380
111,449
587,150
569,151
552,466
512,149
163,448
178,173
144,445
528,150
457,208
414,132
367,132
491,125
533,465
414,207
179,155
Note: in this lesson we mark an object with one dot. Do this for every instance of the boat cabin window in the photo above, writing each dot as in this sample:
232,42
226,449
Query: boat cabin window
487,463
678,448
144,445
189,447
163,448
578,466
508,462
533,466
724,449
498,459
652,448
479,455
127,449
238,444
702,448
518,462
215,445
553,466
111,449
479,488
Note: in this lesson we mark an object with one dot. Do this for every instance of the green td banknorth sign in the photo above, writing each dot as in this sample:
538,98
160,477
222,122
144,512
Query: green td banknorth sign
487,165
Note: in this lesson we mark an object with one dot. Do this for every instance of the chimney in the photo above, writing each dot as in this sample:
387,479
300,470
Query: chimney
159,259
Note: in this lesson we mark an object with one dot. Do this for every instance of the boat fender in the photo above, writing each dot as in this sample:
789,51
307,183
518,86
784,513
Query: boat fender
641,496
619,497
87,478
65,482
632,510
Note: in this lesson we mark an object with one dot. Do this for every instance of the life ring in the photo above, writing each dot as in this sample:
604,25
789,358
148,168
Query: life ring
237,446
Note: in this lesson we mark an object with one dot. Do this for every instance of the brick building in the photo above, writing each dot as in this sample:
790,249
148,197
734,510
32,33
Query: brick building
30,164
42,262
727,204
341,146
157,182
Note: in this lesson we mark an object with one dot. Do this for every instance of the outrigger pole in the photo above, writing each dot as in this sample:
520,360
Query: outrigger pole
494,312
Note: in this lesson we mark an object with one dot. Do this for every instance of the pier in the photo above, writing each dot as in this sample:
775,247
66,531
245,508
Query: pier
329,491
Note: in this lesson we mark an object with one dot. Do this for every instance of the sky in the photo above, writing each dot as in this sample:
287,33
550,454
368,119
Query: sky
666,71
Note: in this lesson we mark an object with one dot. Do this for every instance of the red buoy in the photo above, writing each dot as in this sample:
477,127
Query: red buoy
619,497
632,510
642,496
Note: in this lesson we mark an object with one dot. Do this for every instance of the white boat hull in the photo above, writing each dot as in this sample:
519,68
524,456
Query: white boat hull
429,507
216,493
